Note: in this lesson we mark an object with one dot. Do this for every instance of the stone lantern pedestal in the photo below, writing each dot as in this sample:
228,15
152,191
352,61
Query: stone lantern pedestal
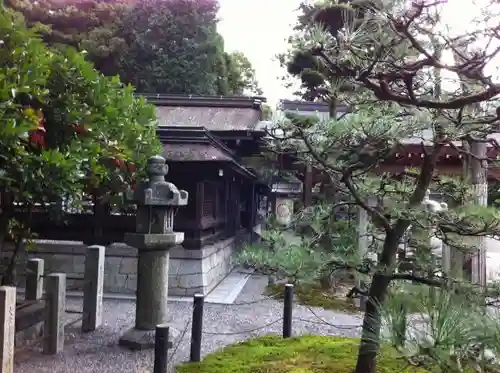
154,236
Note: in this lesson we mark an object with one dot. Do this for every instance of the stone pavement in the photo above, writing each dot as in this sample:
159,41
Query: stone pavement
251,314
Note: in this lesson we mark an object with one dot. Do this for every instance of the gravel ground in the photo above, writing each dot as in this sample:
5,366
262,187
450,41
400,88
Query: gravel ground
223,325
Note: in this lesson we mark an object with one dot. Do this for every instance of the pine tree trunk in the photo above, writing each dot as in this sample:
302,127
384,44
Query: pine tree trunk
372,321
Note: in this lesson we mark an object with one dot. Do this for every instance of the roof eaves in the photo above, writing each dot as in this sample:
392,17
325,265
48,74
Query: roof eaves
242,102
222,147
198,135
289,105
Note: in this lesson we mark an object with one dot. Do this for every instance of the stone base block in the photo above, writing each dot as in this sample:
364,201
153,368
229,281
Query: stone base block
152,241
199,271
136,339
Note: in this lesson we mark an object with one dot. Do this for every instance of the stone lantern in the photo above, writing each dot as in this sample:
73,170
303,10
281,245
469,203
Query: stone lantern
156,201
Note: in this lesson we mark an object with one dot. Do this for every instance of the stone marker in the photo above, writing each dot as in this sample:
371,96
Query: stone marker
53,328
7,327
440,249
156,201
93,288
34,279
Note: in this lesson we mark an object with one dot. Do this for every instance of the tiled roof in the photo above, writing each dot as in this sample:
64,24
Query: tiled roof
212,118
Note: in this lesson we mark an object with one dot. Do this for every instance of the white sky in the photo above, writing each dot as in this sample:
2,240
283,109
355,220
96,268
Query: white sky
259,29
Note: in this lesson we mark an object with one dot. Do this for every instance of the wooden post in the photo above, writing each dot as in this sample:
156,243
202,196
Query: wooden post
308,185
160,364
93,288
196,328
236,202
252,212
287,311
7,327
200,197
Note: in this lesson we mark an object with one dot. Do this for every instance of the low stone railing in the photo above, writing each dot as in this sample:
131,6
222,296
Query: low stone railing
54,298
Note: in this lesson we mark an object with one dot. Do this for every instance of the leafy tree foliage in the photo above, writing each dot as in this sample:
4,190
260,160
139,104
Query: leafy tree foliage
267,112
66,129
322,237
159,46
241,75
175,50
317,83
174,47
390,54
86,24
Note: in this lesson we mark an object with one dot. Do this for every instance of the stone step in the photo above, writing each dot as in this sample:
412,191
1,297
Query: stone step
228,289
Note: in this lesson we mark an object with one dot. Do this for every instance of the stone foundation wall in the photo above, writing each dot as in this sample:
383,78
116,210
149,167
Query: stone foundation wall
199,271
191,271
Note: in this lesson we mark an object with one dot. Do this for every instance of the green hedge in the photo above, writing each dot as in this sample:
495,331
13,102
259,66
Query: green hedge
295,355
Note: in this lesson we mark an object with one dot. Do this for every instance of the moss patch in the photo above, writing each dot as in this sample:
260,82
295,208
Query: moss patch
310,354
314,296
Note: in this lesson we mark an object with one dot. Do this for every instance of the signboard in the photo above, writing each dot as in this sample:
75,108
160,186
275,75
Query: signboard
284,210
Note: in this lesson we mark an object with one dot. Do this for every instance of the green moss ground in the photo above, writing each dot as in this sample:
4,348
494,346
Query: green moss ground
314,296
308,354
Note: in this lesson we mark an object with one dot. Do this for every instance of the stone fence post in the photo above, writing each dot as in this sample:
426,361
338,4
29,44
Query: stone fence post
7,327
53,329
93,288
34,279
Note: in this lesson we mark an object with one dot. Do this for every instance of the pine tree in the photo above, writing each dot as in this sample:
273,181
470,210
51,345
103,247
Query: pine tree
391,55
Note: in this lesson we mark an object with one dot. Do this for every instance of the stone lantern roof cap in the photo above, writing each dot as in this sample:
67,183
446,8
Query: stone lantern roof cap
156,168
157,191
